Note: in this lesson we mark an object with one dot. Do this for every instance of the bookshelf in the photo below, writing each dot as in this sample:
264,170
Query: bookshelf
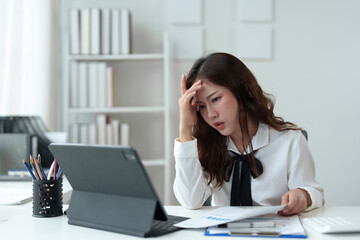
139,114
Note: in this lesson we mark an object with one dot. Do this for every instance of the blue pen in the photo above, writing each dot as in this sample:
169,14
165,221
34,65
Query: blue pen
59,174
58,171
28,168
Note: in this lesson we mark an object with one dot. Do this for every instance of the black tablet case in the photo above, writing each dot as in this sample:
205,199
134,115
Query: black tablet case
111,189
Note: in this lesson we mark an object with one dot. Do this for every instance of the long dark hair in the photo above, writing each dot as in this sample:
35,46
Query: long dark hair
228,71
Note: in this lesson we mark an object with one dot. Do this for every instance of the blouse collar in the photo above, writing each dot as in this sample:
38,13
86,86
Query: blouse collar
261,139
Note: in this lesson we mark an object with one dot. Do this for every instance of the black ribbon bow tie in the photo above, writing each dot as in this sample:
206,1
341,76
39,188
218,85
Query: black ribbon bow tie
241,187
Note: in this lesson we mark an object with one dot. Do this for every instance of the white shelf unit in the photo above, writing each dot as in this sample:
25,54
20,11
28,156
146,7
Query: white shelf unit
163,109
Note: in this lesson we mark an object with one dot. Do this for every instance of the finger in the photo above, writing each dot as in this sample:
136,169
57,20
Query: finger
183,84
292,202
284,201
193,89
188,96
193,103
195,86
287,211
285,198
294,205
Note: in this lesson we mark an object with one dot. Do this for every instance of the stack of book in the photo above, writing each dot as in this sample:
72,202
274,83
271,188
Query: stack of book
104,131
99,31
91,84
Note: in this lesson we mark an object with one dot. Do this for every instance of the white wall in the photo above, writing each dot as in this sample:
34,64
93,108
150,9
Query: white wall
314,75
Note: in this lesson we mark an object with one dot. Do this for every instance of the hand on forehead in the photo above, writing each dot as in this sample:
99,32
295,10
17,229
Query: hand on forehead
206,89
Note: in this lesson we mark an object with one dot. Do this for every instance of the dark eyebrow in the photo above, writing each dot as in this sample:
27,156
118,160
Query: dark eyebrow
209,96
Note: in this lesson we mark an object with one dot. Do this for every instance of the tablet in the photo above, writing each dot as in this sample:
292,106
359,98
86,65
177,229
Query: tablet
111,189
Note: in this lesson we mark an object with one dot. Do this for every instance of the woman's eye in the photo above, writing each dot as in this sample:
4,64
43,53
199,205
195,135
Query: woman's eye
216,99
201,107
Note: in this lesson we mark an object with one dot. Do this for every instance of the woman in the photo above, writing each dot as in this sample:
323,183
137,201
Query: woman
232,147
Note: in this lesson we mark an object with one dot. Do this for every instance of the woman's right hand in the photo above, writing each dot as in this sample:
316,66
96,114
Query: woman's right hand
187,109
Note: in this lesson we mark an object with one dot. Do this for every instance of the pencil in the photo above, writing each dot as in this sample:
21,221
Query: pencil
37,168
40,166
28,168
60,174
33,169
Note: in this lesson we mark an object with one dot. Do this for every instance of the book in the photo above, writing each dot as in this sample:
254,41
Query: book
93,84
105,31
74,84
109,93
115,31
84,133
101,121
95,31
85,31
23,173
109,134
125,31
102,76
116,131
19,173
125,134
74,31
83,84
92,133
74,135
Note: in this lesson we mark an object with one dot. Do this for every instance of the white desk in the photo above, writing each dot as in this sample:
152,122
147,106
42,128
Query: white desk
21,225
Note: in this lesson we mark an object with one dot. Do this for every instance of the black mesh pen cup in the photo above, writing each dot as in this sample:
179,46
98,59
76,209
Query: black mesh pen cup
47,198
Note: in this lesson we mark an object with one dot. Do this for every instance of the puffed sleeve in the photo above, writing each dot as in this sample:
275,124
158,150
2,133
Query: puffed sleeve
190,185
301,172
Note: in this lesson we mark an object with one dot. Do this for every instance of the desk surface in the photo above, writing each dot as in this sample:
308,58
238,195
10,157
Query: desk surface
19,224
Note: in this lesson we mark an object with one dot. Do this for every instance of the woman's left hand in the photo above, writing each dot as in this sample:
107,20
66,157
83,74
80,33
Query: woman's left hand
296,200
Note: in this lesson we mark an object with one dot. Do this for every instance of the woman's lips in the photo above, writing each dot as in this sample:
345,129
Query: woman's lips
219,125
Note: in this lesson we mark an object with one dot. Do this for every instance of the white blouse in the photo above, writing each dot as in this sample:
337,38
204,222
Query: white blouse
287,164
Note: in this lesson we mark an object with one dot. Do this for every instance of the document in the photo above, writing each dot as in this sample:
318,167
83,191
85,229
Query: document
9,196
224,215
280,227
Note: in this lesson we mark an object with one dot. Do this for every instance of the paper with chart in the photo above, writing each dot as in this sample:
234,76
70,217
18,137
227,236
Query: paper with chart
289,226
227,214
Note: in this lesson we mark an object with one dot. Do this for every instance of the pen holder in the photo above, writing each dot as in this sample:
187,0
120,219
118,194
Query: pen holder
47,198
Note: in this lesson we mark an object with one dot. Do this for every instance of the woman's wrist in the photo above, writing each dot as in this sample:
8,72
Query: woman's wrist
307,197
185,134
